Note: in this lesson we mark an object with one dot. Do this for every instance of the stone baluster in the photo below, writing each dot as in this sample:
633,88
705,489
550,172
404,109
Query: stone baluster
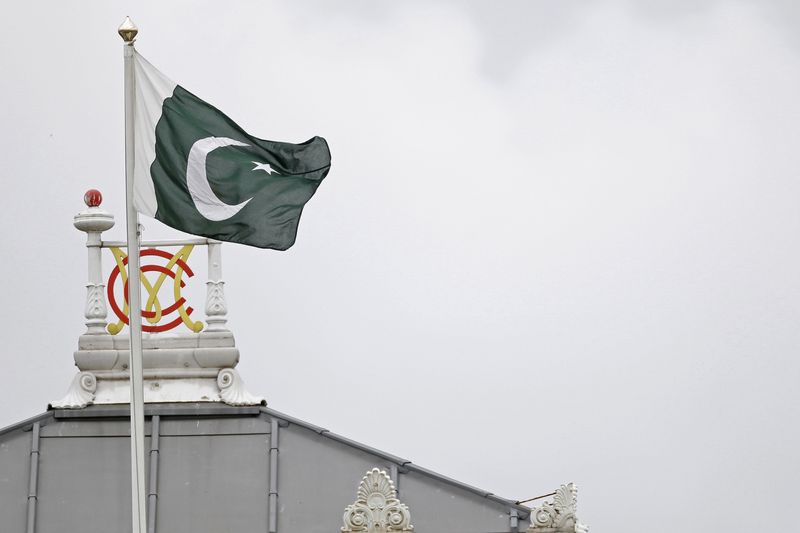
216,306
94,221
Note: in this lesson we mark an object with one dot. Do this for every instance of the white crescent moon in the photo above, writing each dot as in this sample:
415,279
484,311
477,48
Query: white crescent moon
206,202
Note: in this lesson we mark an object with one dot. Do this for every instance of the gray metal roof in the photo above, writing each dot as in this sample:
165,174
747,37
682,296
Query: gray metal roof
399,461
216,468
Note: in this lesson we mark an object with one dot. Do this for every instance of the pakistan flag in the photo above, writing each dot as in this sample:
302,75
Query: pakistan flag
197,171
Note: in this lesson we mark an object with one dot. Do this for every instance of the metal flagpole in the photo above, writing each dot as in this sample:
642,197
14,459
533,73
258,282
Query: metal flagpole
128,33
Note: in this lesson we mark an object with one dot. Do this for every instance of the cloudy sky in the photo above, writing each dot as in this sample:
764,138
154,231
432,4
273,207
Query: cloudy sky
558,241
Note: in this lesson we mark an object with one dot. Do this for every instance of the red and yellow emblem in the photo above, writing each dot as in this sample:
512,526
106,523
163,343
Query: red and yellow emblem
156,314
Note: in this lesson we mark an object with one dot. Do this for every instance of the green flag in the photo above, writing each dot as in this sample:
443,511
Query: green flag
197,171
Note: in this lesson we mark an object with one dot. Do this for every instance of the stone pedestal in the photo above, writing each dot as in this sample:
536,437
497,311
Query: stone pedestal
179,367
190,367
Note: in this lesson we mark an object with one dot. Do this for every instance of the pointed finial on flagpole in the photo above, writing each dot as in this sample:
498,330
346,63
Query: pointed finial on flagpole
128,30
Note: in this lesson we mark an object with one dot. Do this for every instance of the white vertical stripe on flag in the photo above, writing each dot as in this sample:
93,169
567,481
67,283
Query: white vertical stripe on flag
152,88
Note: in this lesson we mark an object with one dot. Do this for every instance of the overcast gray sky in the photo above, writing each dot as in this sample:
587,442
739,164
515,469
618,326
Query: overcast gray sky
558,241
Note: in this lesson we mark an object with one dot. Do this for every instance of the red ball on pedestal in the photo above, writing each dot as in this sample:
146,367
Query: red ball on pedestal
93,198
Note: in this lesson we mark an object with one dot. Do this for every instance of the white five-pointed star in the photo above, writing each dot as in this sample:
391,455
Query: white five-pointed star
263,166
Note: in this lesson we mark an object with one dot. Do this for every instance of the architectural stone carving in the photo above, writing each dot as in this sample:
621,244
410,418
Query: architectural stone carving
559,515
94,221
216,306
232,390
376,509
96,310
80,394
184,366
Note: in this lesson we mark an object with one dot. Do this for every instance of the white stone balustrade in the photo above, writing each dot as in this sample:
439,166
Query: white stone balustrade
182,365
94,221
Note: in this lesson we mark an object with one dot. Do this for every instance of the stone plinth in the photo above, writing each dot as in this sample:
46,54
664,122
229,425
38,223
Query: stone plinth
190,367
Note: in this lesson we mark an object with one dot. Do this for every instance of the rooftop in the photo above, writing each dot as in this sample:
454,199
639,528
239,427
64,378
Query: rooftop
218,458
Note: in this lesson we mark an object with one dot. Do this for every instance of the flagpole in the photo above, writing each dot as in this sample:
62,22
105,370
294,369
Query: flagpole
128,33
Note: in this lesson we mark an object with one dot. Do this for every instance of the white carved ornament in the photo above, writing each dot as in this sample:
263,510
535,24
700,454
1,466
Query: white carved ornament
95,301
95,310
80,393
215,298
559,515
376,509
232,390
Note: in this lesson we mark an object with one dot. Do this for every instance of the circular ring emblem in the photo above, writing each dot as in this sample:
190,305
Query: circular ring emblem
153,312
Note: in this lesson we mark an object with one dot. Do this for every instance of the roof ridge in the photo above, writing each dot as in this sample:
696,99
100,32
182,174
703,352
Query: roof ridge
404,463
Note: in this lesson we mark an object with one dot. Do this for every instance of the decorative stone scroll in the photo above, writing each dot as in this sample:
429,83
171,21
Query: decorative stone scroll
232,390
560,514
80,393
376,509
